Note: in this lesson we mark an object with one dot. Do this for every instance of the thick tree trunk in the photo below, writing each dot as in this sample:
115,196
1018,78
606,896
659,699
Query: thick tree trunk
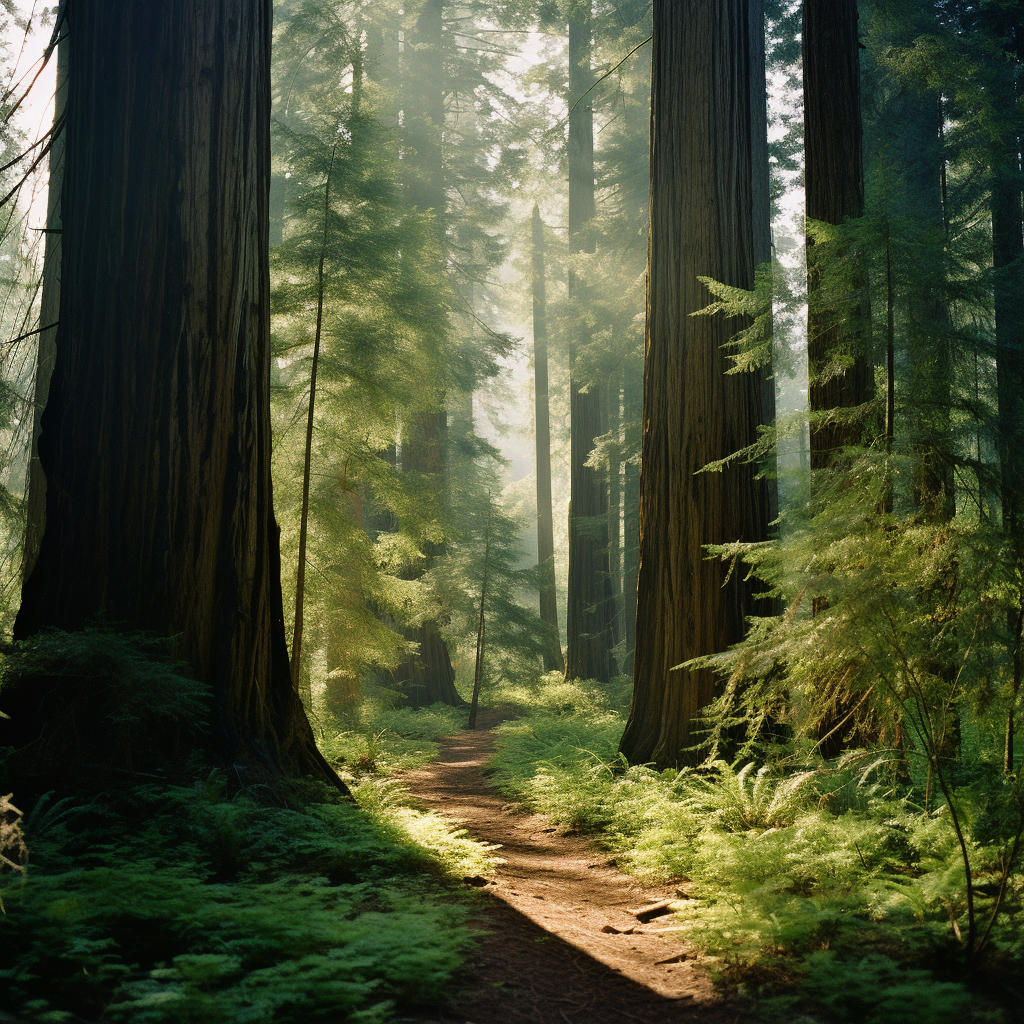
834,176
542,433
705,174
156,437
49,311
589,609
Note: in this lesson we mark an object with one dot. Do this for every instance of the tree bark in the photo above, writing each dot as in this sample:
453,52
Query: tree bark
834,177
156,437
542,434
49,311
589,608
705,173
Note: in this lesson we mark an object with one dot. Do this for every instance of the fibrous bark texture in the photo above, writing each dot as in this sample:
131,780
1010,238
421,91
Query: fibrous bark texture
705,173
156,438
542,434
834,178
590,602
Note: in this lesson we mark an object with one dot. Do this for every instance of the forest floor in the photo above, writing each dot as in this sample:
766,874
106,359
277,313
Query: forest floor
560,944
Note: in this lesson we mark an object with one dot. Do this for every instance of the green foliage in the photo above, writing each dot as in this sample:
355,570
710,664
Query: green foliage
877,990
783,862
379,736
185,904
116,702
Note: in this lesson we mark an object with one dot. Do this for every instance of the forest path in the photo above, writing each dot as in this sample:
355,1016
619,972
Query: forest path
550,955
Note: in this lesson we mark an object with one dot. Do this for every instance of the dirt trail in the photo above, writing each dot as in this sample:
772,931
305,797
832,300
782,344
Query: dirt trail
550,954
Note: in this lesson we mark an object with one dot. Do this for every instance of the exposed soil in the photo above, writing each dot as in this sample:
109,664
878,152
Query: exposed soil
550,954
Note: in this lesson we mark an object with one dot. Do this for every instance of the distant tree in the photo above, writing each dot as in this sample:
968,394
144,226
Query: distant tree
709,218
589,633
839,362
1007,191
542,431
156,435
427,676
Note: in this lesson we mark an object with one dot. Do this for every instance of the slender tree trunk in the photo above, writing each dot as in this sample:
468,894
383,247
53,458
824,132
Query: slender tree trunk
705,174
300,575
156,437
834,175
589,609
49,310
478,671
632,400
614,423
1008,264
542,433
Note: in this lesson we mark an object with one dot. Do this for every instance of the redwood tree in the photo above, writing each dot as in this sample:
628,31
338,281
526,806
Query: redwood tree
156,437
834,179
427,677
708,218
590,602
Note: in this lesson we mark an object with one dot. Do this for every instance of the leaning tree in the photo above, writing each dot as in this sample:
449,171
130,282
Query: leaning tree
156,436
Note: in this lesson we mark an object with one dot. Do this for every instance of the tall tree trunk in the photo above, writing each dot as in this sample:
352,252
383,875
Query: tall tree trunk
542,433
834,183
705,173
427,677
1008,264
834,177
49,310
918,135
589,609
300,575
478,670
614,423
632,395
156,437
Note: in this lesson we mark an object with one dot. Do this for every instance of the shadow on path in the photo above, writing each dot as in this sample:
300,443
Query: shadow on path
560,946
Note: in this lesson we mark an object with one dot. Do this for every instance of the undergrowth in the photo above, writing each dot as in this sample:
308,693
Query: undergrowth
379,736
208,903
172,904
824,876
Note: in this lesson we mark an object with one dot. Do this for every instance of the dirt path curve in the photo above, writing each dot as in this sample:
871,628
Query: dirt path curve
551,955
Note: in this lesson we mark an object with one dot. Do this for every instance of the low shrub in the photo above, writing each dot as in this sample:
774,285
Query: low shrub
171,904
